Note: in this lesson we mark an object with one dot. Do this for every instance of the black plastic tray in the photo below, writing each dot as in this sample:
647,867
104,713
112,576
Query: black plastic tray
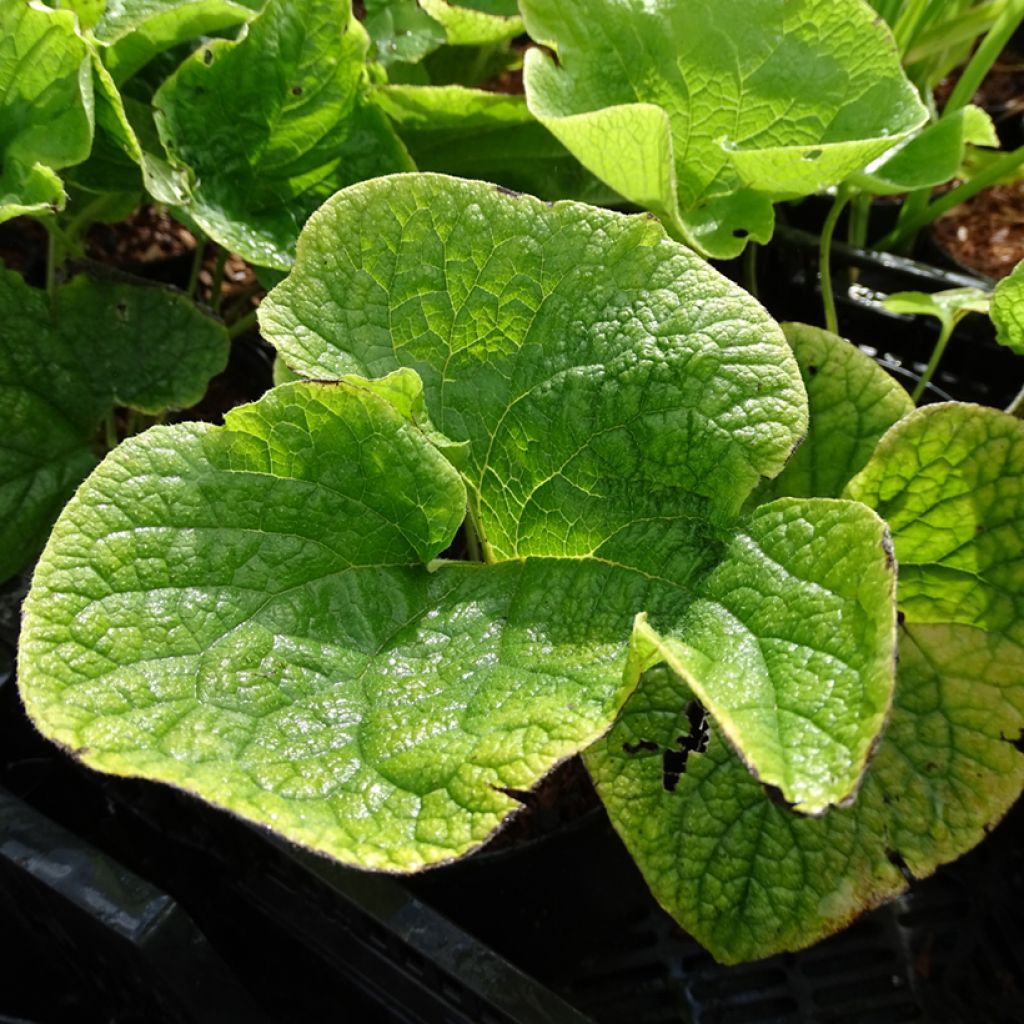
974,368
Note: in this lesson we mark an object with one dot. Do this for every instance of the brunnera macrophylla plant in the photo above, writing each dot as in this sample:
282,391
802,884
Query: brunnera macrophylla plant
708,111
262,613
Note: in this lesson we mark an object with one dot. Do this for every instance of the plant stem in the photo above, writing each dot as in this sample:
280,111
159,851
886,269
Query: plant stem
242,324
914,222
940,346
55,251
472,540
857,229
750,269
218,279
1016,407
110,426
825,259
197,266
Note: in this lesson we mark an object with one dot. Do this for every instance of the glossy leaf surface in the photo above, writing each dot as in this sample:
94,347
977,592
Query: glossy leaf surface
263,599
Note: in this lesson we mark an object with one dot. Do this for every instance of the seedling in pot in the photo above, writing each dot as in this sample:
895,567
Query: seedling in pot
257,612
949,307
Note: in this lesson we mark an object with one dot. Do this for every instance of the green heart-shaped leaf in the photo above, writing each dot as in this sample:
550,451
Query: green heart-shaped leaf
749,878
257,612
705,111
949,480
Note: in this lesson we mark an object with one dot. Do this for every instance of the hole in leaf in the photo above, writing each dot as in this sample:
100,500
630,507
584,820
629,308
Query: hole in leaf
673,761
812,154
635,748
812,370
777,797
740,233
1015,742
296,90
207,57
895,858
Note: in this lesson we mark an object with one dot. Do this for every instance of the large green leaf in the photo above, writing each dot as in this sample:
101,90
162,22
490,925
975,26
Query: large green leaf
62,369
256,613
472,133
803,701
600,402
272,125
591,362
704,111
749,878
852,403
257,624
949,480
132,32
45,105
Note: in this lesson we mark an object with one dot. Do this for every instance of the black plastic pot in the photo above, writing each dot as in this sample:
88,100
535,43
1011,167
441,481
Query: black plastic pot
126,901
975,368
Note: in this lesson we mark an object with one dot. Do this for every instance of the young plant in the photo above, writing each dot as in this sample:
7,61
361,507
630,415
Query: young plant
261,613
1005,306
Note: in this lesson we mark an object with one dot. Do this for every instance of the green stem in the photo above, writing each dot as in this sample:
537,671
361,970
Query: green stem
750,269
76,226
197,266
242,324
472,540
825,259
1016,407
56,253
985,56
860,212
954,197
940,346
51,265
218,280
